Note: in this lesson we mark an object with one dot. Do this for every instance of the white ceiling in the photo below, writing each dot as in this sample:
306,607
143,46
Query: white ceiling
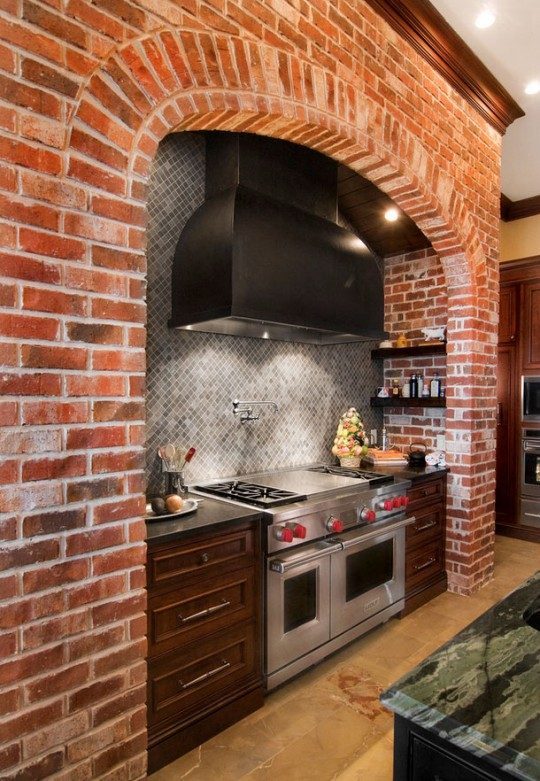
510,48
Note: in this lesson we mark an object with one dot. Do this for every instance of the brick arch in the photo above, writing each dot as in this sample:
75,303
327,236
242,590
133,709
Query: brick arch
179,81
195,84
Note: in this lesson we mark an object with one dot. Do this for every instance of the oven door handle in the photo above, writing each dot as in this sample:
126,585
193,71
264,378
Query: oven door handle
282,565
377,532
531,449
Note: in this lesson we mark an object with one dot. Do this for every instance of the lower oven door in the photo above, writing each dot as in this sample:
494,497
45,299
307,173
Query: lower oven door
530,469
297,603
368,575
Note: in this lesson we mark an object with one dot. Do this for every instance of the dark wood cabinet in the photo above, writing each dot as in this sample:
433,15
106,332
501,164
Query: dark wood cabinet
518,354
509,295
204,637
420,755
425,574
530,307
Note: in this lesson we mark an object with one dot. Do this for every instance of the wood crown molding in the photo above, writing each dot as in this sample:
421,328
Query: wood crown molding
419,23
516,210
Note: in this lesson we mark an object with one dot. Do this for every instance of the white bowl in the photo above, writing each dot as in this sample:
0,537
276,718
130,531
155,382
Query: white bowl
387,343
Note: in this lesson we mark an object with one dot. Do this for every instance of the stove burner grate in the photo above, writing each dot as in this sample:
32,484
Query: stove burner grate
251,493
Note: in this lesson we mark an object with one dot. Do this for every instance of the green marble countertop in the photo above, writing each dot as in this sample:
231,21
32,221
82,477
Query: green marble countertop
481,690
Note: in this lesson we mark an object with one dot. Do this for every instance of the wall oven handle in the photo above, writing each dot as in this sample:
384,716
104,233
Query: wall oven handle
223,666
376,532
283,565
206,612
531,449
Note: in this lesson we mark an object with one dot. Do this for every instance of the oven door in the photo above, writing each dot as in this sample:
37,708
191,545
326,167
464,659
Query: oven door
530,468
368,575
531,398
297,603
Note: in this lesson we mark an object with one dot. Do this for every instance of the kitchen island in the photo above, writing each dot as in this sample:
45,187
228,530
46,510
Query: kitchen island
471,710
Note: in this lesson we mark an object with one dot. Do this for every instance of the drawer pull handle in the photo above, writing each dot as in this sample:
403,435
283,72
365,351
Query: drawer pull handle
204,558
427,563
223,666
206,612
425,526
426,492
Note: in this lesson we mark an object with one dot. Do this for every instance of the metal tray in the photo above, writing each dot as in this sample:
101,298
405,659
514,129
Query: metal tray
190,505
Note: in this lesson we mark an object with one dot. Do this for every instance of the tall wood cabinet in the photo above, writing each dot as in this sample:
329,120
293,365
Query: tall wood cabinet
519,355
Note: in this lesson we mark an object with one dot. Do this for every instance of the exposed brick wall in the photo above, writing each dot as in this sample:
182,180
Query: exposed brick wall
415,298
87,93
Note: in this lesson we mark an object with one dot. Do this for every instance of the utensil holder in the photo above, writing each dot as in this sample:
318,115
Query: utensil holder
350,461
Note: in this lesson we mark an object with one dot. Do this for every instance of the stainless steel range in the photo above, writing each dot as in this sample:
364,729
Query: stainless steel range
335,557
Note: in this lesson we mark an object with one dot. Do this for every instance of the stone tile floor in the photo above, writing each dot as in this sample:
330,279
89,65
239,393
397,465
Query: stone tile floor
328,723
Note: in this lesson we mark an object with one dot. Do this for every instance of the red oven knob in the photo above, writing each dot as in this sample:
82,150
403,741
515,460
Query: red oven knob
298,530
396,501
334,525
404,501
368,515
283,534
386,505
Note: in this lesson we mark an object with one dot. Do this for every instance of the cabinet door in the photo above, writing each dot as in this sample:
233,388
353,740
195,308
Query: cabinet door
507,314
505,489
530,338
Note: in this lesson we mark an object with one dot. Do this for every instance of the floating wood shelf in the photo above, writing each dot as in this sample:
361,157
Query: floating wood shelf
390,401
410,352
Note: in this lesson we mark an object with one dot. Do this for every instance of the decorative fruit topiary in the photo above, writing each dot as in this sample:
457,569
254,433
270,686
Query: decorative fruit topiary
350,436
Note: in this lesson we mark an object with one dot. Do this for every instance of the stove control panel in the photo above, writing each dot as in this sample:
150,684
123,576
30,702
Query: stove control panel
330,516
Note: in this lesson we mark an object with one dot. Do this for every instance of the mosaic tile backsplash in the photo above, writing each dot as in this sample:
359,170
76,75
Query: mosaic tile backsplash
194,377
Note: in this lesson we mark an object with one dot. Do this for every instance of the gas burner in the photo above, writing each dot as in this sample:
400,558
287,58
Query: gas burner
251,493
374,478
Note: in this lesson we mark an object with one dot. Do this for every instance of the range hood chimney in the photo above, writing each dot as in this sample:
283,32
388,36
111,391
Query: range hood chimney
264,256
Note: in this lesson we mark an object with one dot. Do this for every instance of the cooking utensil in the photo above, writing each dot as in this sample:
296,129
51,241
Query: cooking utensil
417,454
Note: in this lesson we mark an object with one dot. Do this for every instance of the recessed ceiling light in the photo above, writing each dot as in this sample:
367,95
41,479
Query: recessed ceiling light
391,214
484,19
532,88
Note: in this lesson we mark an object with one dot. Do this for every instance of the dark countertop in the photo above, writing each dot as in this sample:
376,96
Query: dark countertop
408,473
210,512
481,690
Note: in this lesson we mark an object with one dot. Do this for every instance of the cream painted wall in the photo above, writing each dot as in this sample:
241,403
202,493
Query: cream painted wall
520,238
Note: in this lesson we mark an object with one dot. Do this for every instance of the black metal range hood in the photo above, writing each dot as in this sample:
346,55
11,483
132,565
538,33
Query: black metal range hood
264,256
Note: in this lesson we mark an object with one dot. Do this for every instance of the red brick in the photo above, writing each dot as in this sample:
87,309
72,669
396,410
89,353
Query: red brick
55,575
43,412
23,267
9,412
119,510
119,559
96,437
51,522
52,245
9,756
54,629
30,553
20,153
38,357
29,327
42,300
95,385
96,488
95,591
85,542
118,410
96,691
28,665
121,260
61,681
117,462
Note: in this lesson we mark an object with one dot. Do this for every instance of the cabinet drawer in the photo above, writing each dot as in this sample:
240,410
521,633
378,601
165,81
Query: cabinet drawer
429,525
423,564
425,493
200,673
430,762
202,557
186,614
